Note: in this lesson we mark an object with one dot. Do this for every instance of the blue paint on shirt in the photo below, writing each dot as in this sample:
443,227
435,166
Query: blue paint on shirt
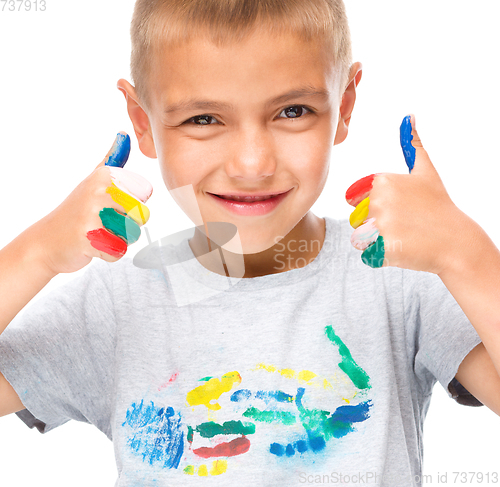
156,434
266,396
277,449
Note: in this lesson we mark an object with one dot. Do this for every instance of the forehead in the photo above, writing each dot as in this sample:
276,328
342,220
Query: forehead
252,70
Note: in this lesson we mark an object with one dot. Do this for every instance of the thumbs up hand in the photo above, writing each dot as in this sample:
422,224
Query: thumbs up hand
404,220
100,218
129,190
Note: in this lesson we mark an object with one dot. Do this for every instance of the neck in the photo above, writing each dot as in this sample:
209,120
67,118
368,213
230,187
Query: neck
297,249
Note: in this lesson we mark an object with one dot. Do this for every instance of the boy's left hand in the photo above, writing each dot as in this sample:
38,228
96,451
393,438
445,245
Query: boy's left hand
405,220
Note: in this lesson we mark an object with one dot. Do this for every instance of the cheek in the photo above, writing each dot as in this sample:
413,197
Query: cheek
178,171
169,175
311,162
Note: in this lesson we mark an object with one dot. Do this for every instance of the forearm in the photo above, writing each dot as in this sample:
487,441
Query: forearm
473,278
22,274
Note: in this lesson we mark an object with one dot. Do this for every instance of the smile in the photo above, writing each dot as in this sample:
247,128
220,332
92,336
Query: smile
250,205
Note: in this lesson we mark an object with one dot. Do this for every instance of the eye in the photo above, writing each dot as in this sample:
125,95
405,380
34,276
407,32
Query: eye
203,119
296,111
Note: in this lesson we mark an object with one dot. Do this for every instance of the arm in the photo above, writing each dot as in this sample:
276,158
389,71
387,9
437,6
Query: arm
66,240
473,278
479,376
409,221
10,402
23,276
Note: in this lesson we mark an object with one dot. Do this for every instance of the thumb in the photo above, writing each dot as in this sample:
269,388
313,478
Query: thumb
416,156
117,156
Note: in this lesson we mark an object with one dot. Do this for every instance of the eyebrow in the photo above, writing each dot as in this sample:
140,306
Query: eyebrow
198,104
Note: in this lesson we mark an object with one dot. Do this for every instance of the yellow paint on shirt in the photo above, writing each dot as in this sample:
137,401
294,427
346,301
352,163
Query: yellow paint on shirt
288,373
189,470
202,471
218,467
302,376
132,206
212,390
306,375
268,368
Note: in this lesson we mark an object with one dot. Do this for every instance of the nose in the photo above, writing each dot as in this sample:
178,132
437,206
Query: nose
252,154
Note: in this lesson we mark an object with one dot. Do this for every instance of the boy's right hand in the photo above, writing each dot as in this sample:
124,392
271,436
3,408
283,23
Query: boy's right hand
100,218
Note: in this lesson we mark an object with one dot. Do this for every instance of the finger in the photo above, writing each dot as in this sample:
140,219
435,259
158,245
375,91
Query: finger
106,242
117,156
405,135
360,190
132,206
374,255
360,214
131,183
365,235
120,225
416,156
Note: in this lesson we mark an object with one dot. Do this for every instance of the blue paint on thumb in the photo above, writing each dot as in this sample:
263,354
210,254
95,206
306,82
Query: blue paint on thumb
406,138
120,151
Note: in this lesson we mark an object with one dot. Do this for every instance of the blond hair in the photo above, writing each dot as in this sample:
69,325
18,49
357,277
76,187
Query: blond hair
159,23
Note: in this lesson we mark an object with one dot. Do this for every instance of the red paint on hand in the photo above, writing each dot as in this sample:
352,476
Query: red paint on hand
359,190
231,449
105,241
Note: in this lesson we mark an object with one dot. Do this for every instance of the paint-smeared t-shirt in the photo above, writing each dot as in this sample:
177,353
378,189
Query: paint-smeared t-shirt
318,374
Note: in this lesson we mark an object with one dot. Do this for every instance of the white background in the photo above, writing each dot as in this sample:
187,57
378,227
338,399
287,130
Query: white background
60,111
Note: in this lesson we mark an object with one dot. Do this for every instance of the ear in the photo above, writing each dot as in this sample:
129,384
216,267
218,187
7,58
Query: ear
139,118
347,105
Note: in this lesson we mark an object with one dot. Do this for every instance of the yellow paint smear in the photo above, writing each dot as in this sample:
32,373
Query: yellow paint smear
212,390
306,375
302,376
360,214
218,467
133,207
268,368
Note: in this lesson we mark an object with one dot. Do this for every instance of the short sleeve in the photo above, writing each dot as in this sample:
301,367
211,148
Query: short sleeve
58,354
441,334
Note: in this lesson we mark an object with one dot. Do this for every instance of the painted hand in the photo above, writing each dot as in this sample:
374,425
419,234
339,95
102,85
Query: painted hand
404,220
128,190
100,217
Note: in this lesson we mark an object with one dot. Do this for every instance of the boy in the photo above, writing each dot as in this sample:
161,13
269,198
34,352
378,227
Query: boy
347,355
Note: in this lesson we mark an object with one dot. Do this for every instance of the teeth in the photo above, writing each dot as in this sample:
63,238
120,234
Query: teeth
248,198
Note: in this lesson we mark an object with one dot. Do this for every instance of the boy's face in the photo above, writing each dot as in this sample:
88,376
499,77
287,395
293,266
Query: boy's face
266,139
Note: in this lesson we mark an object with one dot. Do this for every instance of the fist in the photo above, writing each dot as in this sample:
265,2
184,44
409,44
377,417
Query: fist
404,220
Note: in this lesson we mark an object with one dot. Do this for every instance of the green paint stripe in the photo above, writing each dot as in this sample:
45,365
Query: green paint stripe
205,379
120,225
357,375
270,416
374,255
211,429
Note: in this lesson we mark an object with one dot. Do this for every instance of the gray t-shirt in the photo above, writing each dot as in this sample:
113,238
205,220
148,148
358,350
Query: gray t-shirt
322,373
